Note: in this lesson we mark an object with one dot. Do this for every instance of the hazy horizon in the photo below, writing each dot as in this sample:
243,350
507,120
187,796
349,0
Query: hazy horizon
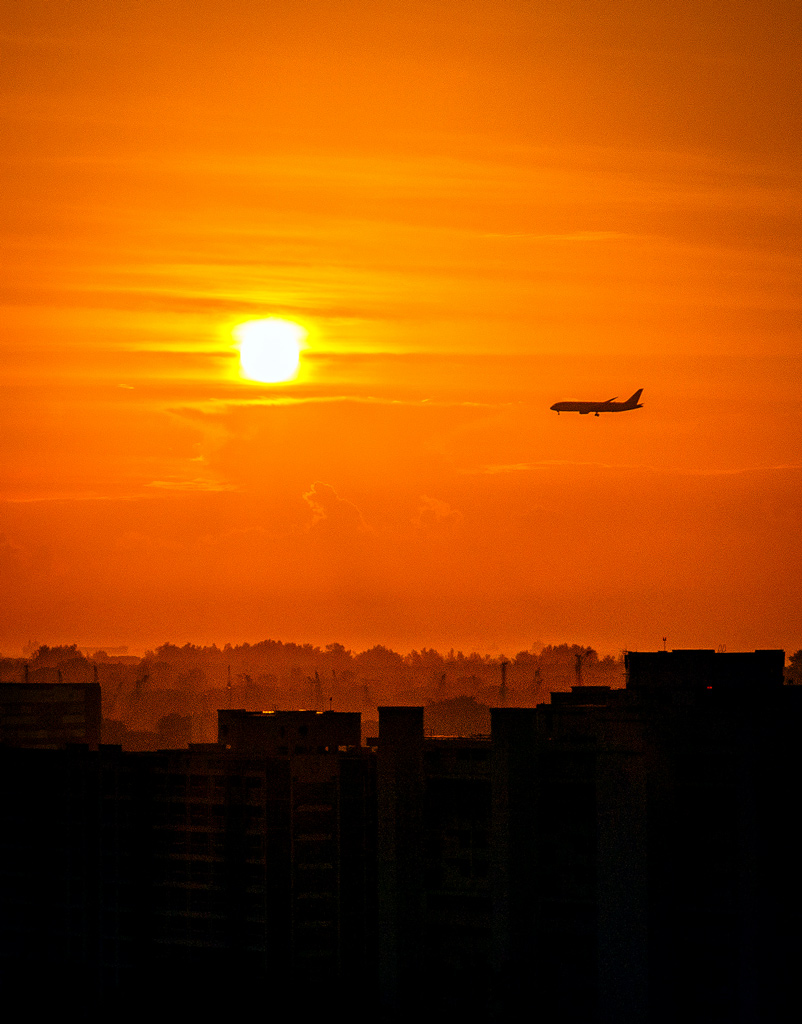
445,650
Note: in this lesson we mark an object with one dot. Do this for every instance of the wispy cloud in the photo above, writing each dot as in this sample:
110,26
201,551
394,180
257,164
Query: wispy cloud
193,485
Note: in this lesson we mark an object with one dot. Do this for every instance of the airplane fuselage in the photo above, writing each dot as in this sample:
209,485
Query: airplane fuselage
585,408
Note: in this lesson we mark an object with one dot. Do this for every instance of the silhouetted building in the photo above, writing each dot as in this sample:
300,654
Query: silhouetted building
178,874
289,732
49,715
434,866
640,847
264,865
75,874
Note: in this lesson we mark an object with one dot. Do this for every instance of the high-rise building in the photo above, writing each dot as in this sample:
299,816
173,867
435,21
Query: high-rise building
49,715
640,850
182,876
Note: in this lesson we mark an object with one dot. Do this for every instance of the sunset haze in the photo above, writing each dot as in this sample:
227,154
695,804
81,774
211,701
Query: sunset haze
470,211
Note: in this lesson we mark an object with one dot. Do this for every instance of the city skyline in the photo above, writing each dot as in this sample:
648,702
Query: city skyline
618,853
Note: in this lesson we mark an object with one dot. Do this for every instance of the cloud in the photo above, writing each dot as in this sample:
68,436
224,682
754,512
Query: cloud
333,513
494,470
196,484
326,395
434,514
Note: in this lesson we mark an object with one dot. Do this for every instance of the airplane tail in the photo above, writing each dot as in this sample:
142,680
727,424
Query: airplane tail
635,398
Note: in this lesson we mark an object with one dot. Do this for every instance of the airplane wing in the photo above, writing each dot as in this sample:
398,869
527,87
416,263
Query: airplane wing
610,400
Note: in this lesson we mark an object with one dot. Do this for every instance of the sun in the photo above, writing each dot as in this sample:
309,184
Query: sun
269,350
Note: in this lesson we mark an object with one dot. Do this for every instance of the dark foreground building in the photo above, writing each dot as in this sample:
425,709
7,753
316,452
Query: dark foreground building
184,879
613,857
47,716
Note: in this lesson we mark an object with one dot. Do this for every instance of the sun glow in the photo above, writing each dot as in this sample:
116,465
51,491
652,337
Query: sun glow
270,350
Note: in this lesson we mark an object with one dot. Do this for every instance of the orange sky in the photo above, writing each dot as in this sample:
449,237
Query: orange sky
476,209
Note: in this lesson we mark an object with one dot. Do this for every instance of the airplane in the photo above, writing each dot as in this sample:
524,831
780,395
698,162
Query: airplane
583,408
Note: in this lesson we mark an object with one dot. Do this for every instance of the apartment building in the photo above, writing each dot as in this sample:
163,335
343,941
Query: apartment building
49,715
638,850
